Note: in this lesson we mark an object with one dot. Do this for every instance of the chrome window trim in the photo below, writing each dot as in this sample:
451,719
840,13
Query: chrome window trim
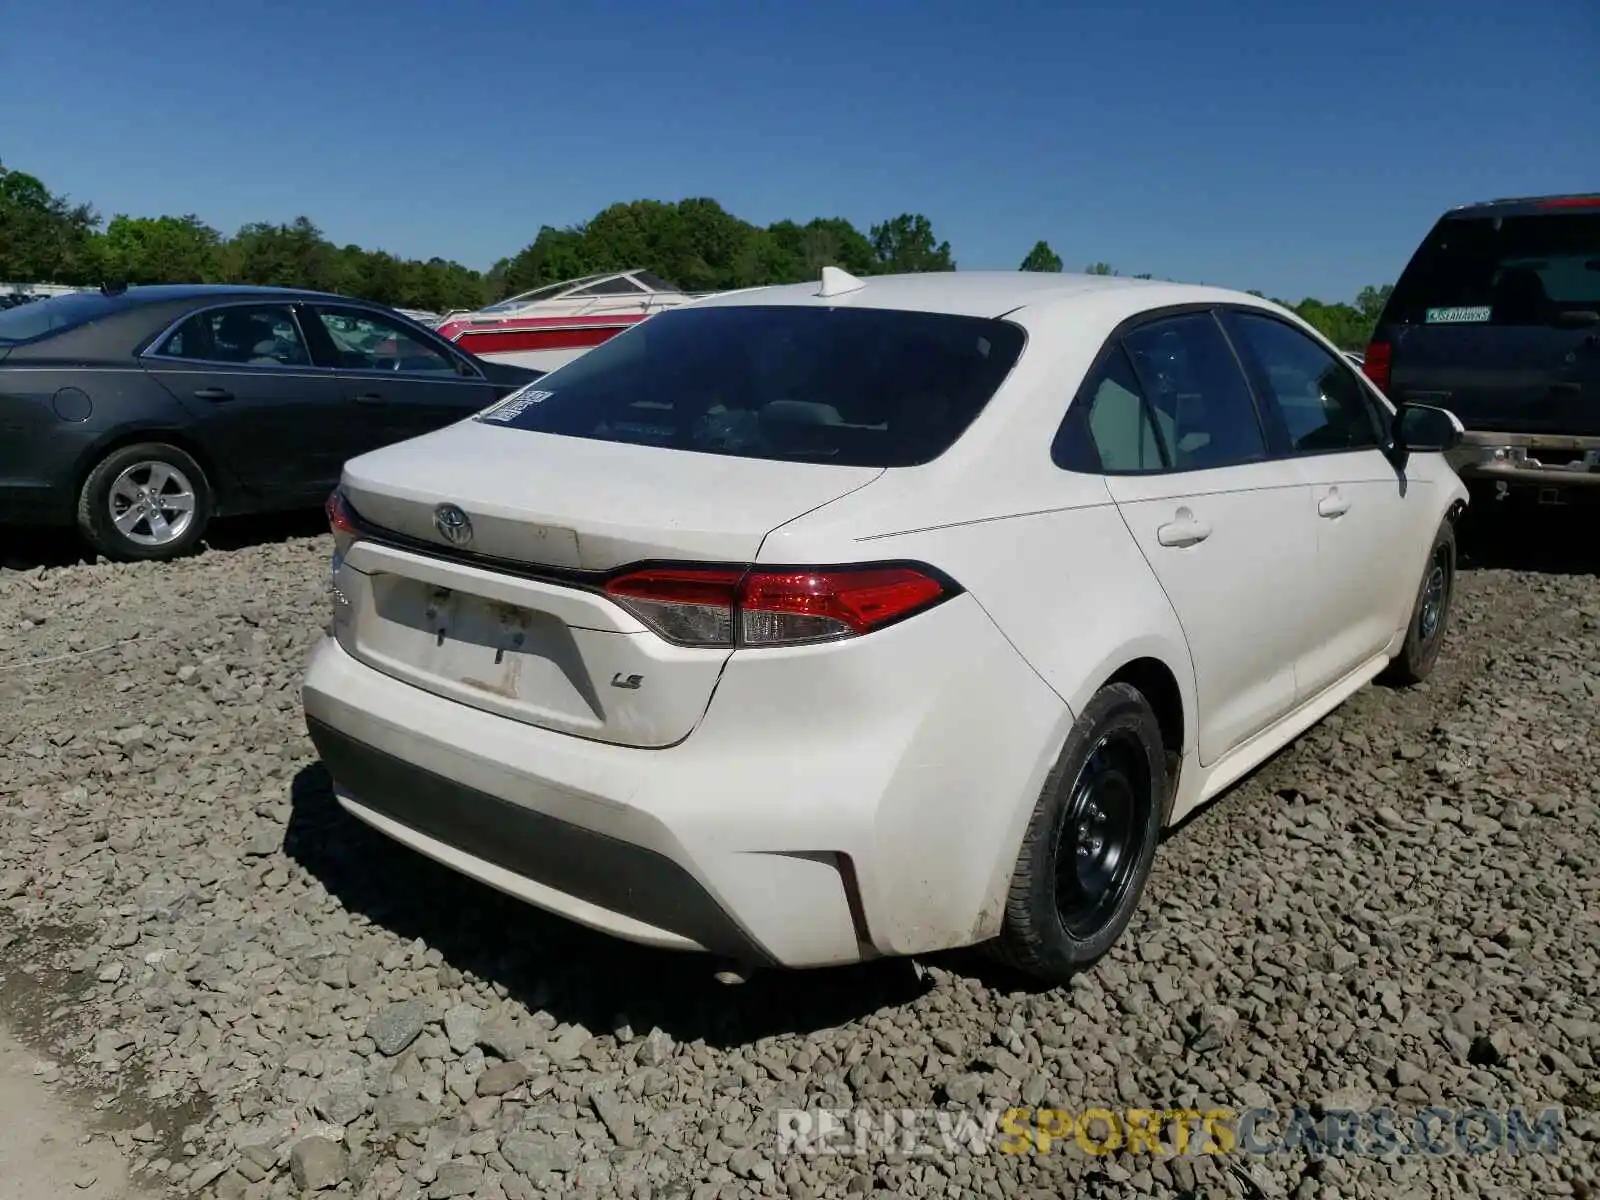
151,356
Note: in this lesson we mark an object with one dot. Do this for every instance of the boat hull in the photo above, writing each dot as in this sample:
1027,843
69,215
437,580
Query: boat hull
538,360
542,343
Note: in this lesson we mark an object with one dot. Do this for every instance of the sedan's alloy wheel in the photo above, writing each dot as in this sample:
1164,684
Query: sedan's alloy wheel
152,503
147,501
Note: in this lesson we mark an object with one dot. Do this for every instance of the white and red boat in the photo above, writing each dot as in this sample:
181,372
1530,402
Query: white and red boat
554,324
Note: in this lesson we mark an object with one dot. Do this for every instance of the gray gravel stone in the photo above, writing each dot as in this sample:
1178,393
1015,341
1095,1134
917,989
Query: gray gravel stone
461,1026
396,1026
456,1179
1398,910
501,1078
317,1164
537,1155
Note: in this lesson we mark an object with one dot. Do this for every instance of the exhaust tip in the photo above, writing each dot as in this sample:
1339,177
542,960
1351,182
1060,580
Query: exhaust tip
731,974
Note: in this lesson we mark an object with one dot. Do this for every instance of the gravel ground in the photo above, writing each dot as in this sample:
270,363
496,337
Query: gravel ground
256,996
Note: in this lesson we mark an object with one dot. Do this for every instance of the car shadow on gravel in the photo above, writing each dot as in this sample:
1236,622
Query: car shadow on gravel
28,549
565,969
1547,540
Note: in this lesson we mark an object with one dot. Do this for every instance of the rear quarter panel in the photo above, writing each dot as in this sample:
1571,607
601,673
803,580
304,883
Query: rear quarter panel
1045,554
1045,551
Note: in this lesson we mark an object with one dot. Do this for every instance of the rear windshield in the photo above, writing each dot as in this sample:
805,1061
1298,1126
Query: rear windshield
28,321
1502,271
852,386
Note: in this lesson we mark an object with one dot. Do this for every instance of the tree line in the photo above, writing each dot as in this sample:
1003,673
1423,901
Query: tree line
695,243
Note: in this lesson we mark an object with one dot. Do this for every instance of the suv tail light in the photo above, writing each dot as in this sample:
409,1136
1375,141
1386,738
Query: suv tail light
716,606
1376,364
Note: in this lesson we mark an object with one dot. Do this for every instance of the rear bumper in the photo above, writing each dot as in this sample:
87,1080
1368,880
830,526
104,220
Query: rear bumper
638,885
1523,460
783,830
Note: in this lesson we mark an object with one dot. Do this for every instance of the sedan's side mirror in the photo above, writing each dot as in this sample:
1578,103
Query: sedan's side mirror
1424,429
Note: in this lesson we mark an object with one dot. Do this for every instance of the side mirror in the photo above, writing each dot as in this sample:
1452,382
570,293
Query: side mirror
1424,429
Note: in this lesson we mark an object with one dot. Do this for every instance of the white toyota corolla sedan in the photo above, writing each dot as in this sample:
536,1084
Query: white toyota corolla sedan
813,623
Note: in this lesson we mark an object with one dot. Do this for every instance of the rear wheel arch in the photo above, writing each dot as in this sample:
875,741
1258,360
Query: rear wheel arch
1157,682
221,485
1159,667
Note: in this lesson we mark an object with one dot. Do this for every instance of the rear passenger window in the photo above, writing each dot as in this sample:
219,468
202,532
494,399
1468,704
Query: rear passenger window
1324,408
1119,423
258,335
1196,393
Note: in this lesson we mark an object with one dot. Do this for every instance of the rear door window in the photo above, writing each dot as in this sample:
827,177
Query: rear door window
1109,429
256,335
1198,397
1508,271
802,383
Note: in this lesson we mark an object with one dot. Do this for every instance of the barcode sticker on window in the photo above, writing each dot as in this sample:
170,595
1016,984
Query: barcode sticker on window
1458,316
514,405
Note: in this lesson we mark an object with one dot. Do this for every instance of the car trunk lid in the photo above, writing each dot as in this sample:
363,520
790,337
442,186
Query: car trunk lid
514,618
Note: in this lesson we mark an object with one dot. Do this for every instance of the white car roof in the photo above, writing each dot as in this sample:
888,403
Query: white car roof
990,293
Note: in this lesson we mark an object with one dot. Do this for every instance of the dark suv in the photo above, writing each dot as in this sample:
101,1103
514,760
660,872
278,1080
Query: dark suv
1497,317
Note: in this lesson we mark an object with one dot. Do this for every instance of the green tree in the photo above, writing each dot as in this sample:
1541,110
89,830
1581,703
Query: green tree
1342,324
906,243
554,255
1041,258
44,238
292,255
1370,301
694,242
160,250
799,252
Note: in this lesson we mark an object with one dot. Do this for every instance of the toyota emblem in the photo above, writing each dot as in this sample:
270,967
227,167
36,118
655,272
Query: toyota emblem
453,525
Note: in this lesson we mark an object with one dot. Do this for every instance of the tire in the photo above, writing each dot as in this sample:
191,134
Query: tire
121,482
1114,756
1430,615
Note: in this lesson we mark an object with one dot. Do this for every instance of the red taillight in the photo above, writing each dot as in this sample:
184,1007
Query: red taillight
1376,364
340,519
800,606
709,606
1571,202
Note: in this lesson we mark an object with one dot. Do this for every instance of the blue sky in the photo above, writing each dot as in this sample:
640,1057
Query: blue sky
1297,148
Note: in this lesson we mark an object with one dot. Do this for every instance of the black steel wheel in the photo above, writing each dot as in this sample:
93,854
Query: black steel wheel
1430,615
1100,831
1089,846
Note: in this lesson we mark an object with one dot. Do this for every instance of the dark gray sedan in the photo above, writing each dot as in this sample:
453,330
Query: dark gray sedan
139,414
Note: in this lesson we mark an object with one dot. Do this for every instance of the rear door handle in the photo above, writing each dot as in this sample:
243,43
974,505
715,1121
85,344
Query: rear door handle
215,395
1333,505
1185,531
1564,388
369,398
